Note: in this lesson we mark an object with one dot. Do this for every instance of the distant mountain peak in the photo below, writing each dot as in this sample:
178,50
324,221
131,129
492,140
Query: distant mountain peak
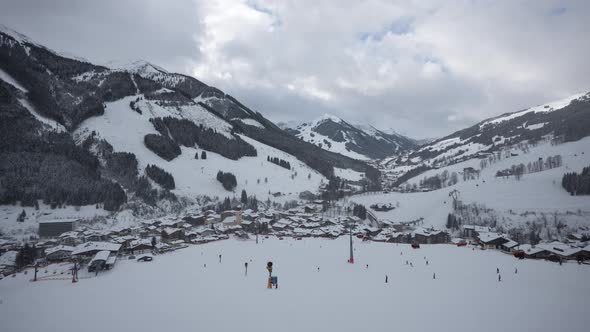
140,66
328,117
358,141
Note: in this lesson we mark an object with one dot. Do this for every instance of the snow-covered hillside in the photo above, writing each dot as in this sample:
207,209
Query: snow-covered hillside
565,119
125,129
544,108
308,133
359,142
190,289
536,193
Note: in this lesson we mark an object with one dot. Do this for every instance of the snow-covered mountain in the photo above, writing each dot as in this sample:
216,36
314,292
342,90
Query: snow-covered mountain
356,141
563,120
76,133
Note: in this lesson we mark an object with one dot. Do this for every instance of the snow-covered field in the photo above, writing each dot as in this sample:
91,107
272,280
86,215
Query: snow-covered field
539,192
176,292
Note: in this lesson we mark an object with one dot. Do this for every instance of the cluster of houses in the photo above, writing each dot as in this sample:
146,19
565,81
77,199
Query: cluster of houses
573,249
67,240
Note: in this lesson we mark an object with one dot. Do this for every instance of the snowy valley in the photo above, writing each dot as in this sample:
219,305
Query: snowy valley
152,200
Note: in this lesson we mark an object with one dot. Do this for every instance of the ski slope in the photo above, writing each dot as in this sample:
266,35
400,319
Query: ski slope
125,129
176,292
538,192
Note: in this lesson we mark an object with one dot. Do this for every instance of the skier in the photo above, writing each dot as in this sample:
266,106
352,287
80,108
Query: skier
386,278
515,270
219,258
434,276
499,278
412,265
426,262
246,266
318,269
497,270
367,266
407,263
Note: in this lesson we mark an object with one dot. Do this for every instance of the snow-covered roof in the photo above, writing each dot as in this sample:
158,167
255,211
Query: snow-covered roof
426,231
92,246
111,260
170,230
53,221
510,244
50,251
490,236
559,248
529,249
137,243
229,220
100,256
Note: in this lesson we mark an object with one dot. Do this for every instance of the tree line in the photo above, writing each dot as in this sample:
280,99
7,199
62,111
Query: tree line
228,180
187,133
360,211
538,165
160,176
162,145
280,162
577,184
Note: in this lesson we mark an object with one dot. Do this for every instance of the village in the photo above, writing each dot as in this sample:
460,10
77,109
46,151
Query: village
70,240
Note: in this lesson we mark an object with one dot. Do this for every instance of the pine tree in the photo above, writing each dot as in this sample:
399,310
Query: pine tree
197,155
21,217
244,198
203,155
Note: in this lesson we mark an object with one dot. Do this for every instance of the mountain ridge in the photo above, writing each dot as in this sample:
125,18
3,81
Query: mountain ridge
361,142
181,111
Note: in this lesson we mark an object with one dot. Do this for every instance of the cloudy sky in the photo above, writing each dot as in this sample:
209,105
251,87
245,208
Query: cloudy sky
423,68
